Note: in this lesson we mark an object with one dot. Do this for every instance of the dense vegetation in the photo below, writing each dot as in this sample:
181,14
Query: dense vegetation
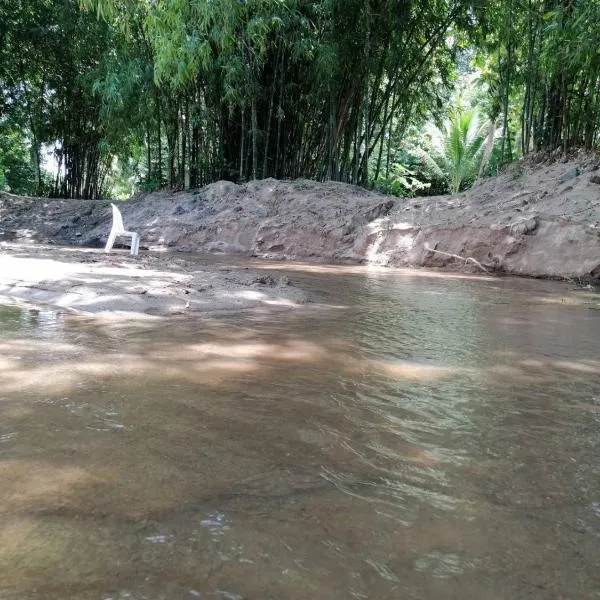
185,92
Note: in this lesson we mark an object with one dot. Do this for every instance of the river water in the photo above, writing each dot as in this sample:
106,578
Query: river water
409,436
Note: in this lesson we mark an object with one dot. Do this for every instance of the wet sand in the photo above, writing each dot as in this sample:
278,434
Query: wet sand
90,281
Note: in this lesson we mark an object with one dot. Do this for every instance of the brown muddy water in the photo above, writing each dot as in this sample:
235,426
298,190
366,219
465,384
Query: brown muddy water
410,436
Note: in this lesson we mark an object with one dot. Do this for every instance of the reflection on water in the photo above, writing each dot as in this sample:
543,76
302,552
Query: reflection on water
40,323
422,438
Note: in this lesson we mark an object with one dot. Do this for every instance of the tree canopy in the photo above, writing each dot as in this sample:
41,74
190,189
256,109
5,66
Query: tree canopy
185,92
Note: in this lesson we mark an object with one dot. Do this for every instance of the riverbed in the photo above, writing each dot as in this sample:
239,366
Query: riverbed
408,435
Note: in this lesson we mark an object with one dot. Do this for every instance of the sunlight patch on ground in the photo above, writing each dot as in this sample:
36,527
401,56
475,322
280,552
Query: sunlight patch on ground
45,269
373,251
260,297
119,317
380,229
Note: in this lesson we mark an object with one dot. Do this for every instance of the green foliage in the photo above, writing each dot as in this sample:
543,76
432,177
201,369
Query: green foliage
49,55
16,172
541,61
458,148
282,88
401,181
181,93
122,179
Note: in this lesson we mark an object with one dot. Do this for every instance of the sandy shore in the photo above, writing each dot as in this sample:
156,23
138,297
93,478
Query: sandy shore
90,281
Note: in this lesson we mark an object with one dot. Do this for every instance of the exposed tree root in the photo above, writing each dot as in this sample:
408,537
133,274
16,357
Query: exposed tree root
465,258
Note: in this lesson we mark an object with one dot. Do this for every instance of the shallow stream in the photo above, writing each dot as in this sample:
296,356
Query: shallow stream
411,436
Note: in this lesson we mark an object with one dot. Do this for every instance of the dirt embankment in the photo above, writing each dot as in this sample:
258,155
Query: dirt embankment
540,220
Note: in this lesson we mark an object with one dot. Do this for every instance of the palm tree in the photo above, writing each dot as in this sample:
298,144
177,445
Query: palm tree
461,148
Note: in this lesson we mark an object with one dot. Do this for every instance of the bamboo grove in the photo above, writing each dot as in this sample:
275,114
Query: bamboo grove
191,91
542,60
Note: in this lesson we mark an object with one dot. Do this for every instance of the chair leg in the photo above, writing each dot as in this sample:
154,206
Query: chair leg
110,242
135,244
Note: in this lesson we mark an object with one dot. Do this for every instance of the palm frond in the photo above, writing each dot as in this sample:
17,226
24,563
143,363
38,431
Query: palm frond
463,143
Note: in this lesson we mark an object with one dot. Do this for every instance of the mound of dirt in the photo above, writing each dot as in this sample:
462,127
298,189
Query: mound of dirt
537,219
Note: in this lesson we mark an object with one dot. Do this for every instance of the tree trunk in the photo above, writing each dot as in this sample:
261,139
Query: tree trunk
242,137
270,113
159,132
254,137
148,154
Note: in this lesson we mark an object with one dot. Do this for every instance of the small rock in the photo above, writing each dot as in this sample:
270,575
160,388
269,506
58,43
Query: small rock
570,173
595,179
265,280
381,210
527,226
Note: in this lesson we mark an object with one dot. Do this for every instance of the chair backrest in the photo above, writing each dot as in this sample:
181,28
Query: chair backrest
117,219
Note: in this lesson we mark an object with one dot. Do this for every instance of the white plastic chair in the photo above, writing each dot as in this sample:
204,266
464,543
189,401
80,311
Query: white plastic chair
119,229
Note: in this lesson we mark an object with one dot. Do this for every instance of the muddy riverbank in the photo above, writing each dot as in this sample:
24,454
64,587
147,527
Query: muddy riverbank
89,281
539,219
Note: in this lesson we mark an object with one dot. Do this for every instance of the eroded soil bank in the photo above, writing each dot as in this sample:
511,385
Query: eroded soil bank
538,219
